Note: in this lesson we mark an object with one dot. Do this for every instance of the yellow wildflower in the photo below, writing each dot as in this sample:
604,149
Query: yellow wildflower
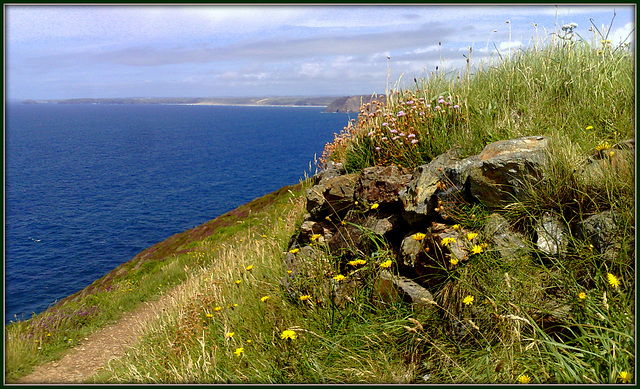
357,262
589,128
386,264
456,226
230,334
289,271
476,249
613,280
603,146
217,309
447,241
209,315
375,206
524,379
419,236
582,295
624,376
454,261
264,236
288,334
484,245
316,236
471,235
239,351
238,282
611,153
264,298
249,268
305,297
468,300
339,277
344,223
293,251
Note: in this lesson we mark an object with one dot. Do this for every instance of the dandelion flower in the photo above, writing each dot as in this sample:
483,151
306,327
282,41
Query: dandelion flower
447,241
454,261
288,334
582,295
471,235
209,315
238,282
484,245
249,268
468,300
624,376
316,236
589,128
305,297
419,236
289,271
524,379
239,351
386,264
456,226
357,262
613,280
375,206
293,251
476,249
339,277
603,146
264,298
230,334
217,309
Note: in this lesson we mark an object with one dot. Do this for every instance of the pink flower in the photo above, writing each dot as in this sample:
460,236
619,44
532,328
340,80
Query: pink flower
456,106
414,141
377,148
401,113
393,131
411,136
385,124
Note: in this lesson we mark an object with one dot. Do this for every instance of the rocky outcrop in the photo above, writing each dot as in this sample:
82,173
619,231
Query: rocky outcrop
412,215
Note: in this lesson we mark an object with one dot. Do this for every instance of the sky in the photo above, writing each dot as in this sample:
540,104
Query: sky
100,51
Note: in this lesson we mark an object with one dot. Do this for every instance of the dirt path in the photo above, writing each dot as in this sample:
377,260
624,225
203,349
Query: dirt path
100,347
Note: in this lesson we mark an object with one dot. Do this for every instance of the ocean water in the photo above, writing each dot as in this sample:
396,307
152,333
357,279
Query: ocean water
87,187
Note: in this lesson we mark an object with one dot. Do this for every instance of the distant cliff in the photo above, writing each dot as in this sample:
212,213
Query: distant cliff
350,103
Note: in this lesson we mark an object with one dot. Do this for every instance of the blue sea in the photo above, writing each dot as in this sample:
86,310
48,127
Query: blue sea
87,187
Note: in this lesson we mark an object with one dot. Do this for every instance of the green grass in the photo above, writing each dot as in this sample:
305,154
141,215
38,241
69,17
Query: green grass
551,319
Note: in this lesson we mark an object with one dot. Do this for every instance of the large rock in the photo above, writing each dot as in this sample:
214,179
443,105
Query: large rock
499,174
419,197
331,197
380,185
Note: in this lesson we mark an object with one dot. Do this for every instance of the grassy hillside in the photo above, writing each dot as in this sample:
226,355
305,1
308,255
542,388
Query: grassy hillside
233,322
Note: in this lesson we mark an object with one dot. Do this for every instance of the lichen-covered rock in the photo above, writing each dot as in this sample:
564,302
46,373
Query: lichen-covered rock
389,284
553,235
418,197
380,185
331,197
510,244
601,230
499,174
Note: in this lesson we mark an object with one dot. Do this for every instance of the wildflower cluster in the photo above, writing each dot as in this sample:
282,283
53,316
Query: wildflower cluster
402,132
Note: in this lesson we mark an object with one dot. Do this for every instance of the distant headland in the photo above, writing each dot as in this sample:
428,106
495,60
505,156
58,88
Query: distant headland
332,103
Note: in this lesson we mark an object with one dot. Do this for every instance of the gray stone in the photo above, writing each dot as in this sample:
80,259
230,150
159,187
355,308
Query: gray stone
331,197
601,230
511,245
419,296
499,174
418,196
553,235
